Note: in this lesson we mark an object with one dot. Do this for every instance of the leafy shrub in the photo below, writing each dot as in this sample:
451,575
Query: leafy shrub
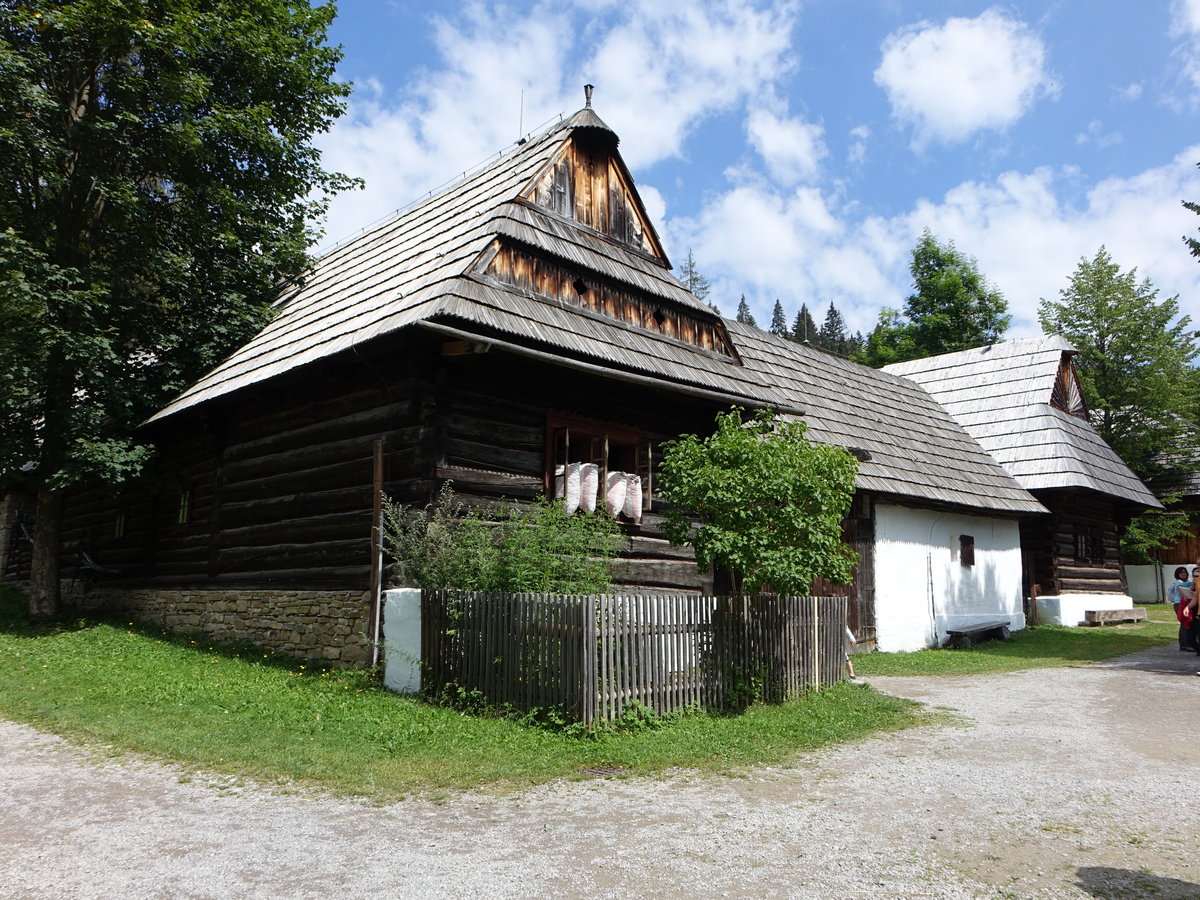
536,548
770,502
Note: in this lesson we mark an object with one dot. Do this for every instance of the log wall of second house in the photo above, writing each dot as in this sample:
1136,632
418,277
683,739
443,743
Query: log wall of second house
1077,549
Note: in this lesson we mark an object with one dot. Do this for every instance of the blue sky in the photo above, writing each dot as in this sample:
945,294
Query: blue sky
800,148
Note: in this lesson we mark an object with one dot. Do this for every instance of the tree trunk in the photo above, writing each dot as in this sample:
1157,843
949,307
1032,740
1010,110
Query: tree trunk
44,575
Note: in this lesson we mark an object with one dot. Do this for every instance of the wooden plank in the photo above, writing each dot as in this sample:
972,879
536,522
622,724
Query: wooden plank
1112,616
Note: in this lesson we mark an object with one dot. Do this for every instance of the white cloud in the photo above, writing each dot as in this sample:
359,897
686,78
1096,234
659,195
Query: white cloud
1026,237
791,148
449,120
859,135
1094,134
659,69
1185,26
667,66
950,81
1130,92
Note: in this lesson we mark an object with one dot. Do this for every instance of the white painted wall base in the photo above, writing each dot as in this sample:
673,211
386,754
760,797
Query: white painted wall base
402,640
922,586
1068,609
1141,582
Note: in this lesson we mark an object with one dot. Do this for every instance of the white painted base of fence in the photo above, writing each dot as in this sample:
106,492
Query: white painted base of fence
402,640
1068,609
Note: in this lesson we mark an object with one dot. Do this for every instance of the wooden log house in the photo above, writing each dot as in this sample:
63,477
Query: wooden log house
521,320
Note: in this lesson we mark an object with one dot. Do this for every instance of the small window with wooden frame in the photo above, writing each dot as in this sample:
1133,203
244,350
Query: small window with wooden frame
595,466
966,549
1089,543
183,514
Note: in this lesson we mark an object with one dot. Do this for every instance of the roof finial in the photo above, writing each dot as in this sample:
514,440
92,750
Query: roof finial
587,93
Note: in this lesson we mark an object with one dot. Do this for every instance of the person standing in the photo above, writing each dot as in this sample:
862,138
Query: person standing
851,641
1181,594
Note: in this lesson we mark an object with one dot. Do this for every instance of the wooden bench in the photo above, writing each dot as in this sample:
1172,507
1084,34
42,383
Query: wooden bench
961,638
1113,616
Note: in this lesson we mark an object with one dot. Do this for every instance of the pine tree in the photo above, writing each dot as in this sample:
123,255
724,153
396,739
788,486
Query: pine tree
804,329
832,336
691,278
778,321
743,313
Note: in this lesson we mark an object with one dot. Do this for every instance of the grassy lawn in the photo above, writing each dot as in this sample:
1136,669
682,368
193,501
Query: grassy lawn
281,720
286,721
1042,647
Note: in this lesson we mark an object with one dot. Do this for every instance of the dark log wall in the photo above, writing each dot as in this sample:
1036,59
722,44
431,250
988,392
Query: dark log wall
279,481
1077,548
491,433
279,477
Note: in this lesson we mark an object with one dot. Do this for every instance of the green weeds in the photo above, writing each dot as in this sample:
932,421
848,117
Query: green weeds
240,712
1045,646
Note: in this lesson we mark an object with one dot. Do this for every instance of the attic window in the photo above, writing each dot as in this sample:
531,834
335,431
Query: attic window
580,286
966,549
1067,395
660,317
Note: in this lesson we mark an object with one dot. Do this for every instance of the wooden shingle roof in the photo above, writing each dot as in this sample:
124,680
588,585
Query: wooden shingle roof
419,267
424,268
1001,395
915,447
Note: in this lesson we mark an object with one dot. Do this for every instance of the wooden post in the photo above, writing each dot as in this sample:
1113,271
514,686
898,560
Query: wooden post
377,553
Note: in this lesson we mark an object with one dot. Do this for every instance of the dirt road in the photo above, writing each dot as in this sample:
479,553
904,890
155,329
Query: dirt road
1058,783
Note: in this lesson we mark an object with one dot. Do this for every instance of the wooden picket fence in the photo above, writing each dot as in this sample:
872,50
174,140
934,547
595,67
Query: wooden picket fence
592,657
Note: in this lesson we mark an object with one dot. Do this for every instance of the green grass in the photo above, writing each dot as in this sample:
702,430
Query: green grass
242,713
1045,646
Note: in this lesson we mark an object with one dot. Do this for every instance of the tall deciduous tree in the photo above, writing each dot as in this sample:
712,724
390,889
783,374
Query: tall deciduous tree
952,308
779,324
159,182
770,502
1135,361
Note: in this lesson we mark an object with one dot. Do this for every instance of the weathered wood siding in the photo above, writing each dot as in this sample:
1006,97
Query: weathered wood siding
528,271
1051,545
592,658
491,441
278,479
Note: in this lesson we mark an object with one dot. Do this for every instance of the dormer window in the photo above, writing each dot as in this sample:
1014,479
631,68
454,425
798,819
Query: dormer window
1067,394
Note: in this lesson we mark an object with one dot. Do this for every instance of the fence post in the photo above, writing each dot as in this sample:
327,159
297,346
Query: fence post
402,640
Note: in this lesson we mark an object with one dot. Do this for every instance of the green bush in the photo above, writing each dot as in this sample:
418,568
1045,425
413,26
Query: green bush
770,502
535,548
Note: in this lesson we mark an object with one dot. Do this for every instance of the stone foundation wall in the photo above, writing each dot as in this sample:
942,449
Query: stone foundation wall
333,626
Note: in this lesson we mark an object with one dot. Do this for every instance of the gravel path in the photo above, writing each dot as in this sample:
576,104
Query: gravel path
1058,783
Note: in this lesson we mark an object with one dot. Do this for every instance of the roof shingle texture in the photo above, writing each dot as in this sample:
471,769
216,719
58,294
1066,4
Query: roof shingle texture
1001,396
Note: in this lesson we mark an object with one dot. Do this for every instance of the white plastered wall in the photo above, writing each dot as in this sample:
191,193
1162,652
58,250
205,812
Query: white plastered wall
921,586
